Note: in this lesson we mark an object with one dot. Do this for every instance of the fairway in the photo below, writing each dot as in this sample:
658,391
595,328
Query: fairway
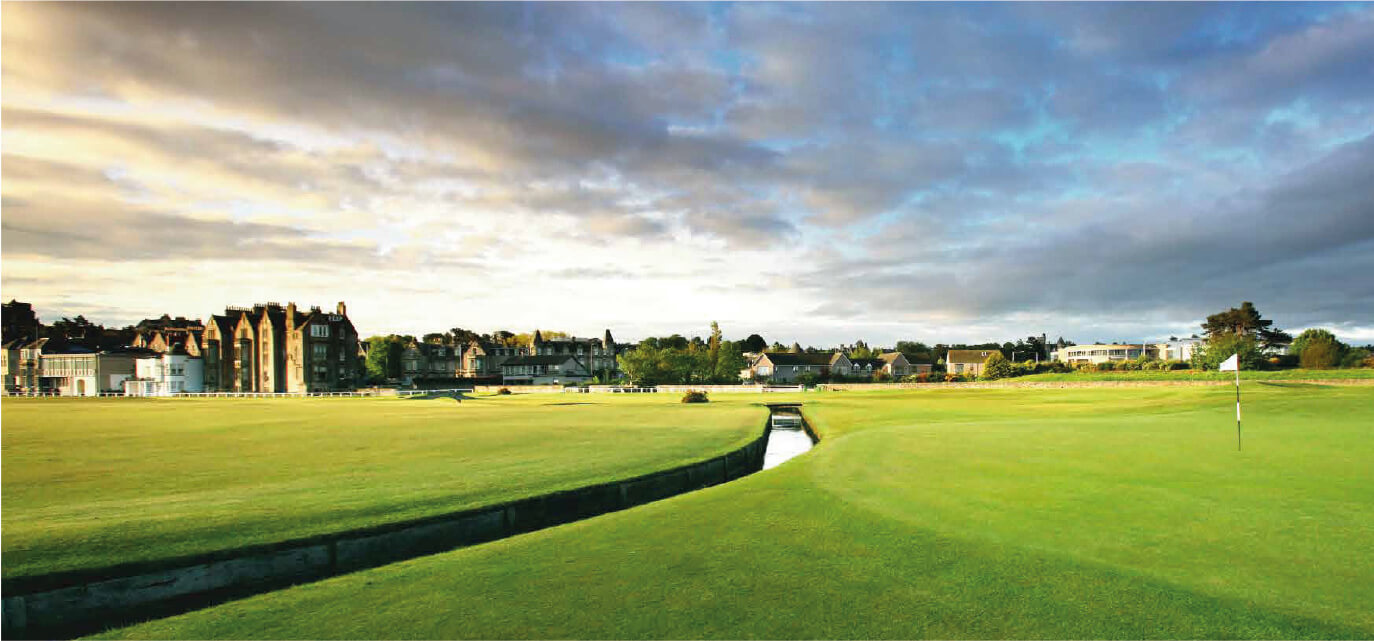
95,483
1002,513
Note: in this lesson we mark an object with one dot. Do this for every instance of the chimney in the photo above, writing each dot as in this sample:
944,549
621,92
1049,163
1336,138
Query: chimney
342,309
291,316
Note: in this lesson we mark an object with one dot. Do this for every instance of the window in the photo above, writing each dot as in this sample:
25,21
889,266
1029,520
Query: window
319,331
319,350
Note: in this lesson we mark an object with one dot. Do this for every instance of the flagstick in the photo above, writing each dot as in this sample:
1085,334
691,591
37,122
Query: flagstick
1237,407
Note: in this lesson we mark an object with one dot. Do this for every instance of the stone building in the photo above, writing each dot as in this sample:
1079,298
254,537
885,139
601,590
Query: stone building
967,361
429,360
483,359
163,335
594,355
270,348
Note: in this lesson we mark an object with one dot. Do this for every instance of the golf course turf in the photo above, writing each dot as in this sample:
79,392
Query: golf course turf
996,513
93,483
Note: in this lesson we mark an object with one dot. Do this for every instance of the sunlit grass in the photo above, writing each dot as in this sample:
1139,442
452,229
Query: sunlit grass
1080,513
92,483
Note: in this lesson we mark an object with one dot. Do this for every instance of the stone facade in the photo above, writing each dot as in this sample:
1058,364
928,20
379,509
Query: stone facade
270,348
595,355
967,361
429,360
483,359
547,369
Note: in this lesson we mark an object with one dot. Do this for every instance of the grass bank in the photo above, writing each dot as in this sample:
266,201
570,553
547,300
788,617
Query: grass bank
91,483
993,513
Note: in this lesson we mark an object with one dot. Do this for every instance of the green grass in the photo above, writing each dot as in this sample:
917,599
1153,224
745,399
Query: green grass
91,483
944,513
1198,375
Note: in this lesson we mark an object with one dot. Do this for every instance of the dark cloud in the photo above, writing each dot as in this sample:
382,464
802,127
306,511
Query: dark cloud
1112,160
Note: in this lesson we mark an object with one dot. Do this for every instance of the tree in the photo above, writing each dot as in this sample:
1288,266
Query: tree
460,336
644,365
1246,321
730,362
713,346
1209,355
435,338
860,350
754,343
916,351
795,348
996,366
384,357
1308,336
1321,353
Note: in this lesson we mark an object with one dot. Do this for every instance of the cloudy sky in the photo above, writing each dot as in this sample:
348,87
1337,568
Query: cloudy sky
812,172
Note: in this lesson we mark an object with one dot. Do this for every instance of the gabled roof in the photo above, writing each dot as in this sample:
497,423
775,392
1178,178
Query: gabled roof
888,357
790,358
970,355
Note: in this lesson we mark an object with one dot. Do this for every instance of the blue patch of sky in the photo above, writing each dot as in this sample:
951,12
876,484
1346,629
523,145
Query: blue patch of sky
1297,113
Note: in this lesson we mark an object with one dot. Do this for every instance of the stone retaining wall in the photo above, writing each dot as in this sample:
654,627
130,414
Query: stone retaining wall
74,603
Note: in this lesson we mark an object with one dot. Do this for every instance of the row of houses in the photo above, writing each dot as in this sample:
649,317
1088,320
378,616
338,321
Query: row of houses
264,348
271,348
45,366
789,367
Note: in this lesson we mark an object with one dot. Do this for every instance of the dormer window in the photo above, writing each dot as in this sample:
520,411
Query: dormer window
319,331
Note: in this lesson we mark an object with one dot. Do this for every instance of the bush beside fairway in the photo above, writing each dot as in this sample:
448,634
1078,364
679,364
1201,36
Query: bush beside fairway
1078,513
92,483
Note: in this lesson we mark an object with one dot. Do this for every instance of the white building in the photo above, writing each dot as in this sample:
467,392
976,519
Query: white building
1178,349
1098,353
166,375
85,374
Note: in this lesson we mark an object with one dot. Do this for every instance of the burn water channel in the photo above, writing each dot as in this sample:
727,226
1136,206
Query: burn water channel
788,436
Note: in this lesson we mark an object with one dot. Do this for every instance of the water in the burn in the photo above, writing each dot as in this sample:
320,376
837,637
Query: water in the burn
786,440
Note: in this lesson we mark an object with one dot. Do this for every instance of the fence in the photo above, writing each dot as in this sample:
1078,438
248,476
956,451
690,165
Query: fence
671,389
352,394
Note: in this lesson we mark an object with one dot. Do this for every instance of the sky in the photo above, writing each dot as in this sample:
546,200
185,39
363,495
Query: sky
811,172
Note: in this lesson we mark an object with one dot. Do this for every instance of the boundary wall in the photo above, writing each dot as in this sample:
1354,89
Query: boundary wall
69,604
859,387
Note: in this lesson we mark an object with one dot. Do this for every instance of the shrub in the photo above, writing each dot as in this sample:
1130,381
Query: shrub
1175,365
923,377
504,390
1355,357
695,397
1108,366
995,367
881,376
951,377
1320,354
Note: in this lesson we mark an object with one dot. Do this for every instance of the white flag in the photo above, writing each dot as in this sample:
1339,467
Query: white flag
1231,364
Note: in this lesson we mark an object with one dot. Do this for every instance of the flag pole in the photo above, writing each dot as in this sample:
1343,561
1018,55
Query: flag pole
1237,407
